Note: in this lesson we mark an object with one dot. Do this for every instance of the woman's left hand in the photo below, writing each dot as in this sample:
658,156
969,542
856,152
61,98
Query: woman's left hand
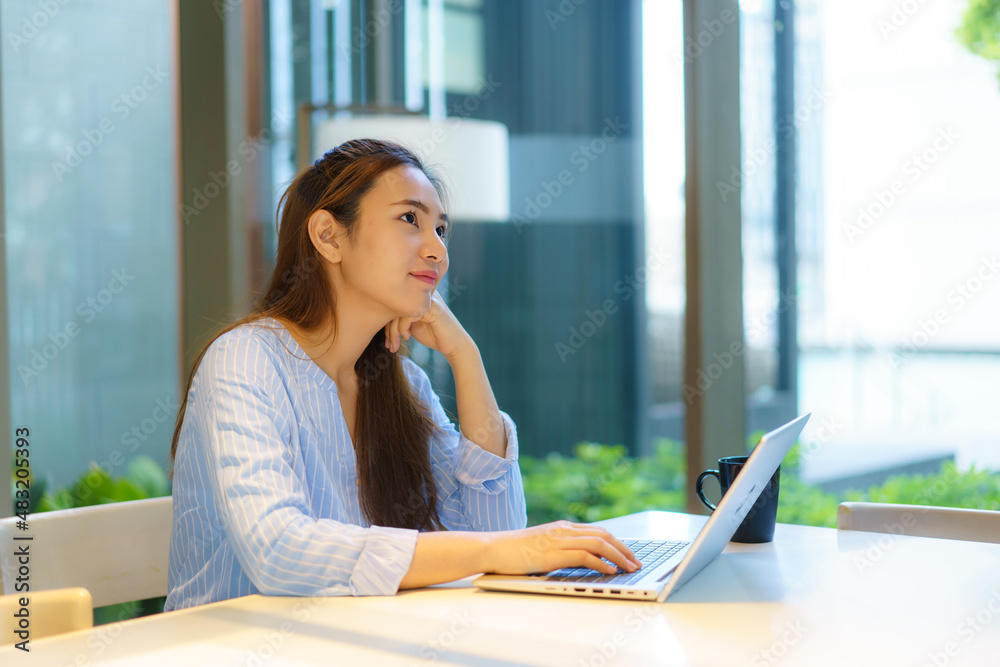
438,329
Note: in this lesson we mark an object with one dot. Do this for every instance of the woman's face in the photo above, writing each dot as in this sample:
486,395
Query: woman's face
401,234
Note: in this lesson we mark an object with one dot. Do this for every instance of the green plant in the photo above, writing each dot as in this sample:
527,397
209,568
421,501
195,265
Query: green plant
973,488
804,504
980,29
601,482
144,478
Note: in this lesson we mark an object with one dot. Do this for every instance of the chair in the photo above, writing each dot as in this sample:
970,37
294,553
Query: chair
49,613
118,552
921,521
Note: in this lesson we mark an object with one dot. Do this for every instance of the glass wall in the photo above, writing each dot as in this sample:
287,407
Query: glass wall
663,165
90,236
898,228
554,296
756,178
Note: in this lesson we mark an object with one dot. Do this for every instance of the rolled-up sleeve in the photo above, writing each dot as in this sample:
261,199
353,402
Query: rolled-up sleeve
243,423
482,470
477,490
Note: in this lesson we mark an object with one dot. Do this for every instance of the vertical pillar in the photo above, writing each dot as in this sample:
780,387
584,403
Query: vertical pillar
713,324
212,124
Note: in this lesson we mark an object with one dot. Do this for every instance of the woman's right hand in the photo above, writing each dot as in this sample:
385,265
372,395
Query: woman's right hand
551,546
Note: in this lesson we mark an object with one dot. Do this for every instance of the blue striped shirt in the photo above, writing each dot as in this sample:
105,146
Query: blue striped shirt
265,482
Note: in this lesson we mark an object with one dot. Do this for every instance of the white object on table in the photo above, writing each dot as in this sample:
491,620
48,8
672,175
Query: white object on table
950,523
814,596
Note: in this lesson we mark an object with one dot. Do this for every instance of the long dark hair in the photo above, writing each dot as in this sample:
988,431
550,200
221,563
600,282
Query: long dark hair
396,485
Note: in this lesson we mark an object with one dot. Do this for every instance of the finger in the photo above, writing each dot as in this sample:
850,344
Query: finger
579,558
393,336
605,549
618,544
601,548
584,529
587,559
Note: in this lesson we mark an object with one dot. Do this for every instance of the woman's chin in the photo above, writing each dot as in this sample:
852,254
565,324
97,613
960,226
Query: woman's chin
418,311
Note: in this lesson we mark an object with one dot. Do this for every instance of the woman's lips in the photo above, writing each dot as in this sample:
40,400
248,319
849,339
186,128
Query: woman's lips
425,279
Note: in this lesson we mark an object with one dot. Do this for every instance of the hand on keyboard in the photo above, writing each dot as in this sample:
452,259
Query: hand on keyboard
558,545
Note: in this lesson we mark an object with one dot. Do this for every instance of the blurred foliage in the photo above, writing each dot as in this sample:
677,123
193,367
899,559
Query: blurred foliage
144,478
973,488
980,29
600,482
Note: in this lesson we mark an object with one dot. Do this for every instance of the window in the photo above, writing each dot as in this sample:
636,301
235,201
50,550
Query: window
90,235
897,229
554,296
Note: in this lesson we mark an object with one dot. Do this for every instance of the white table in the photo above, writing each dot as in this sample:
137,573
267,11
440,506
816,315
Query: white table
814,596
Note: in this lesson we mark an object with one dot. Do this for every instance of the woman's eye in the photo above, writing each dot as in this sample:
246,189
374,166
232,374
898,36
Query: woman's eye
410,217
442,231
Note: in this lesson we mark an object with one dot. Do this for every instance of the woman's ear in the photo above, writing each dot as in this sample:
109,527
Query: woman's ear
324,233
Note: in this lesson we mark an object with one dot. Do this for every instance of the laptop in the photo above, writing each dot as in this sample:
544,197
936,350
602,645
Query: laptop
667,565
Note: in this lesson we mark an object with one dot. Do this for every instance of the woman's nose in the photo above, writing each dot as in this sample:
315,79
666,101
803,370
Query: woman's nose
436,249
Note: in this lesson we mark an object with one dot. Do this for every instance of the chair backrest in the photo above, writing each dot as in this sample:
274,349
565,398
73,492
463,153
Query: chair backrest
119,552
921,521
48,613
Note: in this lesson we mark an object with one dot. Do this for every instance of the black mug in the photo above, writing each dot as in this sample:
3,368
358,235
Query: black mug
758,525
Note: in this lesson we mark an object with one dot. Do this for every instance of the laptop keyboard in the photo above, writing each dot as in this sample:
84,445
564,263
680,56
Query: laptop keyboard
649,552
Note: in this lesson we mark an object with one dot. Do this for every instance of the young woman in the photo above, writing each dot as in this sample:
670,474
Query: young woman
311,457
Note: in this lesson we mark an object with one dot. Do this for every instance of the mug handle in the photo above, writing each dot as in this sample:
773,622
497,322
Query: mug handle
701,492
